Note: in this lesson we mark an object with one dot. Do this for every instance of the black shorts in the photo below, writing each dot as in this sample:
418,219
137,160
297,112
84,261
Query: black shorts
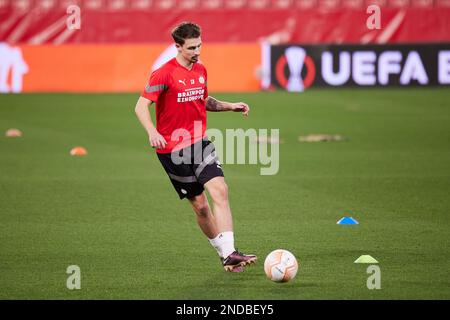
190,168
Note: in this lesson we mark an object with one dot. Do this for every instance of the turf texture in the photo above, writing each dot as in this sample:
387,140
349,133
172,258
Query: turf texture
115,215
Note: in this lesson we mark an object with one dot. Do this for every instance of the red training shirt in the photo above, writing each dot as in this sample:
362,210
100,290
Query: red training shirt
179,94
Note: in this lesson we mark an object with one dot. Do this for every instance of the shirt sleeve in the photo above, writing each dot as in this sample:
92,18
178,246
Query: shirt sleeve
206,85
156,85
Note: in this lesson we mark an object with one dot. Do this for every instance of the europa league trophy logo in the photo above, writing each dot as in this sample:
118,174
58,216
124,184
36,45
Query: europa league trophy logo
295,57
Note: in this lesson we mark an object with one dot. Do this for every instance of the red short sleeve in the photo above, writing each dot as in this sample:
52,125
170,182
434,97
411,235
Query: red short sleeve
157,84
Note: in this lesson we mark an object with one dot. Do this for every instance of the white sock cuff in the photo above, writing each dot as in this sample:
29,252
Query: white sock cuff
227,236
222,237
224,243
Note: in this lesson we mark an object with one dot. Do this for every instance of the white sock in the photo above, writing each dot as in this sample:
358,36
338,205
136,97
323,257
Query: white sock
223,243
215,243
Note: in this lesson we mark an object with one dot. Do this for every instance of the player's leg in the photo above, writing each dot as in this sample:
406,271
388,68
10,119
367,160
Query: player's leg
207,223
205,219
210,175
187,186
218,190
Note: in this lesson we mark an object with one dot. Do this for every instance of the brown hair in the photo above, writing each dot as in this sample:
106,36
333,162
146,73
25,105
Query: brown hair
185,30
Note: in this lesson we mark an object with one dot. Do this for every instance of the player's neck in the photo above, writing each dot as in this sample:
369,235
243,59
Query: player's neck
185,63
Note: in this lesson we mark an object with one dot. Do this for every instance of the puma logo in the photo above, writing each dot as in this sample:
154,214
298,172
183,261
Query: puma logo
182,81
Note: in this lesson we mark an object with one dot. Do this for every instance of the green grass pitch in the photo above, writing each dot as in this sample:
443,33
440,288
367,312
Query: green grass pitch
115,215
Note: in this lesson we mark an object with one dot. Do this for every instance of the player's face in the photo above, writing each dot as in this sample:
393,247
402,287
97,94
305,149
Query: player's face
190,50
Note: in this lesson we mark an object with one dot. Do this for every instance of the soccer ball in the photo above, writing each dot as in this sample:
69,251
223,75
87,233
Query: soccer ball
280,266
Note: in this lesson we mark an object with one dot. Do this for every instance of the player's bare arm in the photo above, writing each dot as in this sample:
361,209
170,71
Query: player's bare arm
214,105
143,114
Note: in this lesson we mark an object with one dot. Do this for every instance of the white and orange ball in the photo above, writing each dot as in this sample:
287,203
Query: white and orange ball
280,266
78,151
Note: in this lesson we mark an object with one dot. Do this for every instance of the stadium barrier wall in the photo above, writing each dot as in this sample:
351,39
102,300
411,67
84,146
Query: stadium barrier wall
118,68
306,21
298,67
231,68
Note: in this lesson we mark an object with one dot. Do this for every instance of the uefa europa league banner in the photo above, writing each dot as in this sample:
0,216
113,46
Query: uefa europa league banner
298,67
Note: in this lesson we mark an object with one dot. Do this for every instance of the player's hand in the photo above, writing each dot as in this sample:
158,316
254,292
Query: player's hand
156,140
241,107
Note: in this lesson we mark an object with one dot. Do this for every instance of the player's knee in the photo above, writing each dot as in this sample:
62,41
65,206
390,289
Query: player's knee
220,193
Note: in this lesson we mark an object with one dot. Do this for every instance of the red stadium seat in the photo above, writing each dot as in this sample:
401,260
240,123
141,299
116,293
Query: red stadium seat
188,4
211,4
352,4
399,3
235,4
422,3
443,3
380,3
93,4
329,4
141,4
282,4
306,4
258,4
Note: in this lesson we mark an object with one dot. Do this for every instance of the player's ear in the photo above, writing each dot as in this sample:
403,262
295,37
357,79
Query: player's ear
178,46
